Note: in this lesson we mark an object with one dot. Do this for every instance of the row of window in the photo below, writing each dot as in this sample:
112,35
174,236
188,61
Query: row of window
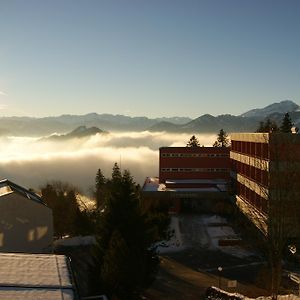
194,155
194,170
255,174
251,197
260,150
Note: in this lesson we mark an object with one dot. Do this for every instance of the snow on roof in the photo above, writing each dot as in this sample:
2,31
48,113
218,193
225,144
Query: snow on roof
7,187
35,276
207,189
196,181
34,294
152,185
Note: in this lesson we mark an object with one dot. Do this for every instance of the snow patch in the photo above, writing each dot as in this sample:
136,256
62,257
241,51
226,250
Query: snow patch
176,242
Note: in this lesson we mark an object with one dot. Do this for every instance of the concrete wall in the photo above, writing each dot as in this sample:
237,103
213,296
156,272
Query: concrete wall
25,225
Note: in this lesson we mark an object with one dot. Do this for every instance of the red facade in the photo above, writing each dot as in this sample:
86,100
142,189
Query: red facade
263,163
193,163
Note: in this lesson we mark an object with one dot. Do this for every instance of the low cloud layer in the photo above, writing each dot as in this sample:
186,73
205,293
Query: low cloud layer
31,162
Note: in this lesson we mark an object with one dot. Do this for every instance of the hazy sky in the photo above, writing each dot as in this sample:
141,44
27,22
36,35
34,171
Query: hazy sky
153,58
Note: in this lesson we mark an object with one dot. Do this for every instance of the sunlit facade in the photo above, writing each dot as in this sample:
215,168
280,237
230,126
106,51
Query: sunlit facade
264,169
188,167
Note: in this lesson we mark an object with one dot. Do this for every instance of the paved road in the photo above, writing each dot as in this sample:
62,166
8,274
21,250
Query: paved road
177,281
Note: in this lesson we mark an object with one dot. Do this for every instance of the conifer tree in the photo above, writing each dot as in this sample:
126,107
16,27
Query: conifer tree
193,142
222,140
268,126
99,188
116,175
123,242
116,266
286,125
61,198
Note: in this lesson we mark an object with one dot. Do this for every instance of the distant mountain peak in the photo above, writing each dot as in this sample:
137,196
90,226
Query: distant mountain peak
79,129
277,107
79,132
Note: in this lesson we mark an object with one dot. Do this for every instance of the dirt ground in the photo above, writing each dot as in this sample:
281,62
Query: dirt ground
176,281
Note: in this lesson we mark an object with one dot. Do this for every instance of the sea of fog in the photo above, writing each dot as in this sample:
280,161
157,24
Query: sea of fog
31,162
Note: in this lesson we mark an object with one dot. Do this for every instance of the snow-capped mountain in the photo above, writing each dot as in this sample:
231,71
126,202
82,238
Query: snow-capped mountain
281,107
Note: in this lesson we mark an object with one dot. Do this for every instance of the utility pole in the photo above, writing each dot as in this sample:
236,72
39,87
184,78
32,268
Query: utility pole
220,269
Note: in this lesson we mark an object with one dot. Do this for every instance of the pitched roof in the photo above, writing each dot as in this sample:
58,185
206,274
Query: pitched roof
7,187
35,276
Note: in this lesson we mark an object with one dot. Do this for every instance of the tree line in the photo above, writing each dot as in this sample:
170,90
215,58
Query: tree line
221,141
270,126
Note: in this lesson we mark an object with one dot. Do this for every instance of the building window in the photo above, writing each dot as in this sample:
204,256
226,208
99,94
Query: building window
194,154
215,170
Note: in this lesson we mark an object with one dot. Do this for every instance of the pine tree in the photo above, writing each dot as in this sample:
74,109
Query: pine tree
286,125
268,126
99,188
193,142
124,262
114,271
222,140
116,175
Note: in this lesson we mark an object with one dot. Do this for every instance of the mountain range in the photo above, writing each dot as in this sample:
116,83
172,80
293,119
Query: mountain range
246,122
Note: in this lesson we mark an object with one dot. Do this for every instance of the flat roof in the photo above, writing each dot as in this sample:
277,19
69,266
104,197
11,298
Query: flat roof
152,185
35,276
250,137
197,149
196,181
210,189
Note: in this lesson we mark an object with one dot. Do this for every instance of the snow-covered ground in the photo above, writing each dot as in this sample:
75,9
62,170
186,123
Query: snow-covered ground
176,241
203,231
218,229
218,294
